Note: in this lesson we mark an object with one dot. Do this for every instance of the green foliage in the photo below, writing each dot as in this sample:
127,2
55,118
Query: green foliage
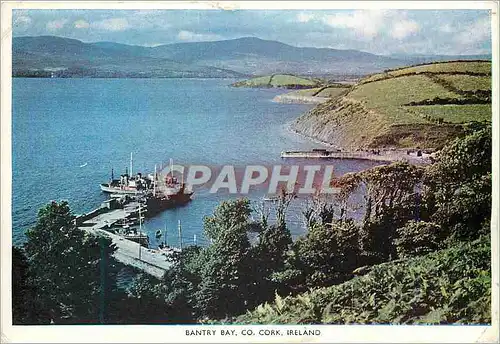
229,218
151,302
227,277
26,308
391,200
447,286
454,113
328,253
468,82
64,275
481,67
458,186
443,274
278,80
388,96
434,219
65,265
417,238
270,254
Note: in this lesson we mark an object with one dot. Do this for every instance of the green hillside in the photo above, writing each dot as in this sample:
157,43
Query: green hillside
415,106
447,286
318,93
278,81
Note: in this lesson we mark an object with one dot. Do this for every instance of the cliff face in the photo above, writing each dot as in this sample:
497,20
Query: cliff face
341,122
347,124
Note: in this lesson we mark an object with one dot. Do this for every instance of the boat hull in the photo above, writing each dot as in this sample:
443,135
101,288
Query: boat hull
158,204
117,190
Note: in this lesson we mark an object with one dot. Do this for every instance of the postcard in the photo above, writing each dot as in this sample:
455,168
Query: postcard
261,172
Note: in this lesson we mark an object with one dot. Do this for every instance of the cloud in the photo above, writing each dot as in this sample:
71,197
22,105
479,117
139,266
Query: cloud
365,23
368,24
447,28
55,25
404,28
22,22
304,17
112,24
377,31
81,24
197,37
475,33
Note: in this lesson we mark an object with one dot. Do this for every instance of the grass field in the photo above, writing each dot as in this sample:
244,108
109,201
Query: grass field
258,81
306,92
375,77
455,113
451,67
388,96
280,80
332,92
468,82
277,80
374,112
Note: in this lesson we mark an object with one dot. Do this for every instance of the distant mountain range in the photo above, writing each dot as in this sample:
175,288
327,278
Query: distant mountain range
45,56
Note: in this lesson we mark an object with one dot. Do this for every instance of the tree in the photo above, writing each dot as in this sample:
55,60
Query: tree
270,257
328,253
228,276
418,238
72,270
391,199
457,188
25,306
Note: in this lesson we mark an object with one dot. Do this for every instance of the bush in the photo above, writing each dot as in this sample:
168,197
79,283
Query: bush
448,286
417,238
328,253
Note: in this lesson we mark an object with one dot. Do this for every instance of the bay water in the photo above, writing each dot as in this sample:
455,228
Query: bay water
67,135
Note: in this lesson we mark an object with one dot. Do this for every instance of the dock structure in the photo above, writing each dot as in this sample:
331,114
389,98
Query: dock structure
152,262
378,155
329,154
128,252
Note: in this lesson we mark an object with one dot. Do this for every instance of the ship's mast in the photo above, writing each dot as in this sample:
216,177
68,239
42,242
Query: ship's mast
131,160
154,183
165,236
140,230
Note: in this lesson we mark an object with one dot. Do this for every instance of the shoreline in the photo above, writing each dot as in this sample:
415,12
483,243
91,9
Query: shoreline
389,155
287,98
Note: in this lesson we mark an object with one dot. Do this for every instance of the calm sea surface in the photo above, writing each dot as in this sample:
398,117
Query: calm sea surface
68,133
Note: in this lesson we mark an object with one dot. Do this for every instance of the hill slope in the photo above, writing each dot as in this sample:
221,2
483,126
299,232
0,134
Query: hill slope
230,58
278,81
256,56
409,107
46,55
424,290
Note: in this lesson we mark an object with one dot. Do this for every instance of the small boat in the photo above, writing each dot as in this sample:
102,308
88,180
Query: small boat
83,165
157,193
271,199
158,234
128,183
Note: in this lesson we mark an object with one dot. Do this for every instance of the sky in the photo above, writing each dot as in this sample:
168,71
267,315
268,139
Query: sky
385,32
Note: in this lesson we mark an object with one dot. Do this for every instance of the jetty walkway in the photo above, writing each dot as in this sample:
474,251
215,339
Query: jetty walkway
389,155
151,261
